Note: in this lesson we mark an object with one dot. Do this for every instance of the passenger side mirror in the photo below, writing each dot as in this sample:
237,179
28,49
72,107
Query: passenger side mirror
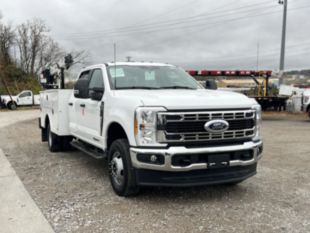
81,88
211,84
96,93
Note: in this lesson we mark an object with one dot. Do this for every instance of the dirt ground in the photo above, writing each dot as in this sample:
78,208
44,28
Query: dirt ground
30,108
74,193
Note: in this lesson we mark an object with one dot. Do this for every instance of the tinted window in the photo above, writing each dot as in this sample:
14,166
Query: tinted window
96,80
25,94
84,75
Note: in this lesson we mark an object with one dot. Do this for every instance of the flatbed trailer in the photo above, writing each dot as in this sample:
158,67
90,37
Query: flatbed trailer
277,103
263,97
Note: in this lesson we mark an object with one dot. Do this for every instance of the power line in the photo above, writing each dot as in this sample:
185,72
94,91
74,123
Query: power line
213,14
262,55
171,27
148,29
219,23
160,23
170,10
246,58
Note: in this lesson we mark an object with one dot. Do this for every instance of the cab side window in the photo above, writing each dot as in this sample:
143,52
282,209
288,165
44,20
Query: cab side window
25,94
85,75
96,81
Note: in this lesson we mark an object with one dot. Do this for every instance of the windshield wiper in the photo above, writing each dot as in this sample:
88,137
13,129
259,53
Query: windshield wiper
178,87
136,87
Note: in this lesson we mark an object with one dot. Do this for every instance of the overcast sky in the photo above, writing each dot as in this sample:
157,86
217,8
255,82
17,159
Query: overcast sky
199,34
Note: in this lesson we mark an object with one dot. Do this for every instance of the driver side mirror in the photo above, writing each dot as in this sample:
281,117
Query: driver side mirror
96,93
81,89
211,84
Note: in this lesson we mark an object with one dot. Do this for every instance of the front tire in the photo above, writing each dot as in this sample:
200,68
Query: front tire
12,106
52,140
121,172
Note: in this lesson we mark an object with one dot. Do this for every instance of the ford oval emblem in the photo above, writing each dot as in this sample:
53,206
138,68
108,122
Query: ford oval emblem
216,126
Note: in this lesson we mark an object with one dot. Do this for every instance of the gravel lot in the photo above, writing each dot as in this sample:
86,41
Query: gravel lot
74,193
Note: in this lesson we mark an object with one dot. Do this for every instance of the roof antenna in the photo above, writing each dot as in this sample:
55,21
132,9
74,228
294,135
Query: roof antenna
114,48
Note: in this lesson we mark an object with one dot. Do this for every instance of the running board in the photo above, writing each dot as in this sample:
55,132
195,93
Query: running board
88,149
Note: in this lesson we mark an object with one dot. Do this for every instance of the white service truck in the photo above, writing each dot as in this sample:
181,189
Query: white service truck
156,126
25,98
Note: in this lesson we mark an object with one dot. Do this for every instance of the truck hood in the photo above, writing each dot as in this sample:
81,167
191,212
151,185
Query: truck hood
306,93
6,98
188,99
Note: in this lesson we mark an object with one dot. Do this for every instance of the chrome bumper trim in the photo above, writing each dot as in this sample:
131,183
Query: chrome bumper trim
171,151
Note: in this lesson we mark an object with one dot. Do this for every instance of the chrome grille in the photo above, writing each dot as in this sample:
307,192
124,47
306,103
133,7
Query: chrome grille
189,126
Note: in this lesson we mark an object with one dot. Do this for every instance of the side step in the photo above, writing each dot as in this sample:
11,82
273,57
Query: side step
88,149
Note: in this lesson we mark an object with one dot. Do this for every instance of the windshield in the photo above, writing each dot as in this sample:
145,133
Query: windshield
150,77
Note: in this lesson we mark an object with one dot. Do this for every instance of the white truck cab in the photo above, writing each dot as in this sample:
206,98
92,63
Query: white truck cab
24,98
156,125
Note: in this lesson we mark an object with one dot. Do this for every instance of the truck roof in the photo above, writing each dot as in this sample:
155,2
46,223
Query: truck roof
138,64
126,64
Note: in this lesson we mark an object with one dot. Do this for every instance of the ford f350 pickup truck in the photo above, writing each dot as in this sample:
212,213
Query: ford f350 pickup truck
155,125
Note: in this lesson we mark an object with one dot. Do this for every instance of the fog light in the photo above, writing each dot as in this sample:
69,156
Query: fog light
247,156
153,158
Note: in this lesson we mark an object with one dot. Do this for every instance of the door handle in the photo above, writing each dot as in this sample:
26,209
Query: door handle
70,104
83,105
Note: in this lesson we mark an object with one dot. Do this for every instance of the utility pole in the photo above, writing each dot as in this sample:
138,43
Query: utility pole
114,53
282,56
257,57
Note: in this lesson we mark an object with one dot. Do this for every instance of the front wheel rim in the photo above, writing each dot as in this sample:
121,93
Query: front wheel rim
117,169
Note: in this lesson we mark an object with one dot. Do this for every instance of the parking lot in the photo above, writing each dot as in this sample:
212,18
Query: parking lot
73,190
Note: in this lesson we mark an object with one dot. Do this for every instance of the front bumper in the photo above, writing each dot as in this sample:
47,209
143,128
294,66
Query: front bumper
167,165
237,174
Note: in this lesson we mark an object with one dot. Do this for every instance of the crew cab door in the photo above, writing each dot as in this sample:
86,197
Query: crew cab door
77,103
93,116
24,98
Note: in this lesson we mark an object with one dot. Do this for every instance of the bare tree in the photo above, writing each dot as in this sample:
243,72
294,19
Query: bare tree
30,39
37,50
6,42
80,57
50,54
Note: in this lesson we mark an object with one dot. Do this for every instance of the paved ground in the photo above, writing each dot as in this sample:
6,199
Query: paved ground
18,211
8,117
74,193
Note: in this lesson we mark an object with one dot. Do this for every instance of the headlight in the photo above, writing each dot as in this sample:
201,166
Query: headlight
145,125
258,114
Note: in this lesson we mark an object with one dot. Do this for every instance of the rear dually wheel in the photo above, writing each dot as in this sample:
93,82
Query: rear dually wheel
52,140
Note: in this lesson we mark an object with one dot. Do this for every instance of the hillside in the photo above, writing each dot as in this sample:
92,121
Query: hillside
17,81
298,72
